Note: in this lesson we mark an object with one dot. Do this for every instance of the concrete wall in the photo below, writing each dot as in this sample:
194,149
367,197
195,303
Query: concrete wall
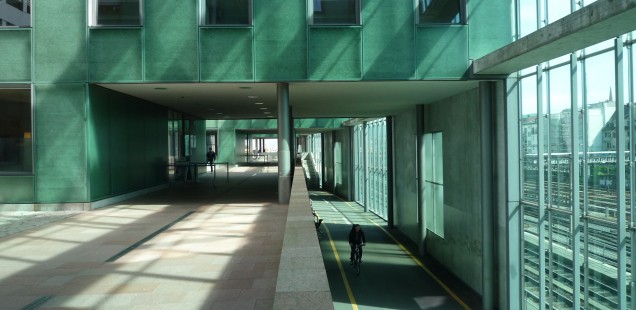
460,249
342,163
405,175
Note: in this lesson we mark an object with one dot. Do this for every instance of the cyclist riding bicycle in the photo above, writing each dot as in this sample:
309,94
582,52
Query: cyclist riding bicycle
356,238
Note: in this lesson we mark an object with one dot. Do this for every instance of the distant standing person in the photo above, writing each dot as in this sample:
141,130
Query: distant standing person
211,155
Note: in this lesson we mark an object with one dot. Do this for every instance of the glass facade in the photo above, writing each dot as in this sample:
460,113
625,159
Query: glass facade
226,12
117,13
576,138
335,12
370,166
16,139
441,11
15,13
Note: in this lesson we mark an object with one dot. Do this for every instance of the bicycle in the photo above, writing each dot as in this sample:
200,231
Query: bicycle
357,258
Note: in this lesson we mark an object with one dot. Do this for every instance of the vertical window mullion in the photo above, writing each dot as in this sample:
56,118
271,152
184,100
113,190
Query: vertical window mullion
620,175
574,194
541,188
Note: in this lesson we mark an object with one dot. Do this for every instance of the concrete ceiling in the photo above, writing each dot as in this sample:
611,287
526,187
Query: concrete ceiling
307,99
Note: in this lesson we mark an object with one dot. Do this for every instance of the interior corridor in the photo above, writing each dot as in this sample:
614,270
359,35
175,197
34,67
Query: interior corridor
213,244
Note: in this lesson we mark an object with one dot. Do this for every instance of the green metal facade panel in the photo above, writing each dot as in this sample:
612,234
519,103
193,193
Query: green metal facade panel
442,52
226,54
491,26
60,143
115,55
388,45
99,143
171,40
280,40
16,189
334,53
128,148
15,63
59,46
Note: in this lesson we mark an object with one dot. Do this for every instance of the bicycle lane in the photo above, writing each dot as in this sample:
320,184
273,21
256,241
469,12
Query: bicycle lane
390,277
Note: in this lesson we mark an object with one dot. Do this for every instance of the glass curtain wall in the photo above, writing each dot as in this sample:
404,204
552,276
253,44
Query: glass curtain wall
358,163
576,137
314,146
370,166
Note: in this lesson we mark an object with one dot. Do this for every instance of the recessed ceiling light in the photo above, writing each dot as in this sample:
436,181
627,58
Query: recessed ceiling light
252,97
258,103
210,109
267,112
219,113
263,108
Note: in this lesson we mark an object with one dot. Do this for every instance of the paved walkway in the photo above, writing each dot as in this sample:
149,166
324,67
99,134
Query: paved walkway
392,275
191,246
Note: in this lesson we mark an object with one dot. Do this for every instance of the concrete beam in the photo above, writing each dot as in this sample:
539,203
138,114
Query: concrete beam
597,22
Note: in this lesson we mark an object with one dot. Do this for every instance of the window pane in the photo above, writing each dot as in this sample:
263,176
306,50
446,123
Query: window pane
557,9
15,131
15,13
335,12
559,271
227,12
440,11
528,17
602,264
560,136
118,12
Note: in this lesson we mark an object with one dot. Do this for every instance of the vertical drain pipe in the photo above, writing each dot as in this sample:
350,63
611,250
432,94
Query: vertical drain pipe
284,140
486,94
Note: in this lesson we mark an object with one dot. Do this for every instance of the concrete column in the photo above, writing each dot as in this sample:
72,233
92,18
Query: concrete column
488,278
284,140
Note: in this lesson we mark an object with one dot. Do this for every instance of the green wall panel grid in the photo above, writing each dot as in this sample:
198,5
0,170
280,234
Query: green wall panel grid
280,40
59,46
388,46
171,40
16,189
115,55
226,54
491,26
334,53
442,52
60,143
15,48
128,143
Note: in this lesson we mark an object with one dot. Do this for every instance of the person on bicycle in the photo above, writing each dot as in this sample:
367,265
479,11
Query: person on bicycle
356,237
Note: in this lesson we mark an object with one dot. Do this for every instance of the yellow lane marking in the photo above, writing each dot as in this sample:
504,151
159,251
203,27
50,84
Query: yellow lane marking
352,299
418,262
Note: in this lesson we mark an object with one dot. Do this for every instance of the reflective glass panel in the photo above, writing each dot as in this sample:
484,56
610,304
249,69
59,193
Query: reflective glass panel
227,12
335,12
118,13
16,139
440,11
15,13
